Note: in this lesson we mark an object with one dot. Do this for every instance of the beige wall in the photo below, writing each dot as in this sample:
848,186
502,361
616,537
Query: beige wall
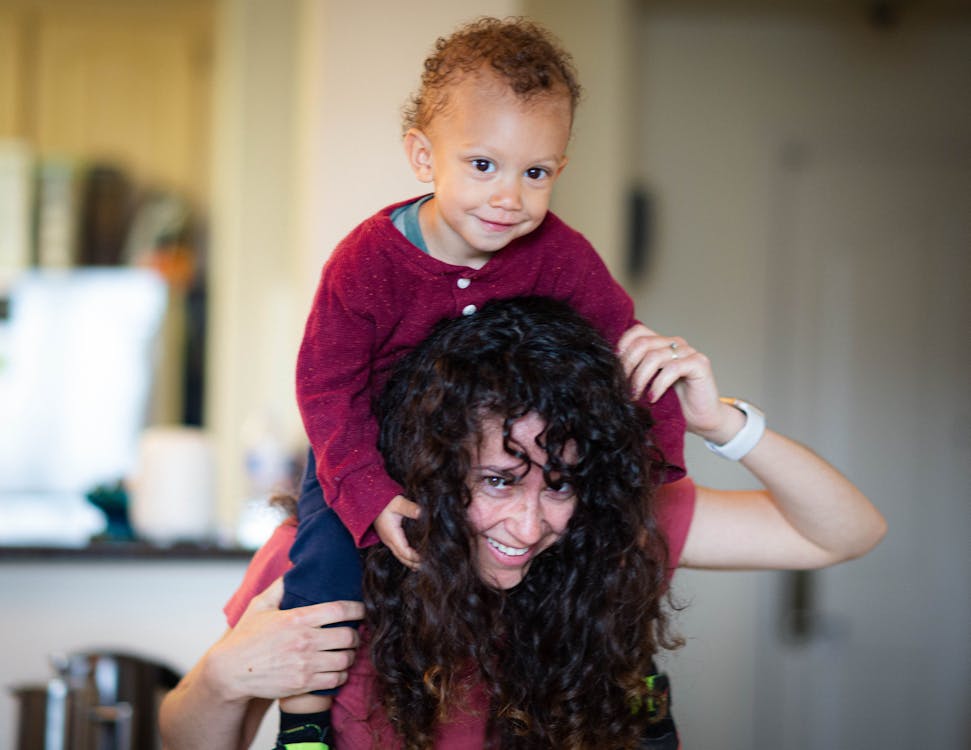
592,193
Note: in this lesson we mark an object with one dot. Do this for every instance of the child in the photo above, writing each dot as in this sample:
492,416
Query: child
488,128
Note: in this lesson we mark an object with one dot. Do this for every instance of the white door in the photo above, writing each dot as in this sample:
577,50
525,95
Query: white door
870,349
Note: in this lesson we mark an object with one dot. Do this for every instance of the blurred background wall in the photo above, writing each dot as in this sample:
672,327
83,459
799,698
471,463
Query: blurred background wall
800,172
810,170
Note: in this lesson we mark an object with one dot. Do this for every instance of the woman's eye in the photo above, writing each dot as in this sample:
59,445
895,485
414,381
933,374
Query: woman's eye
483,165
562,491
497,483
536,173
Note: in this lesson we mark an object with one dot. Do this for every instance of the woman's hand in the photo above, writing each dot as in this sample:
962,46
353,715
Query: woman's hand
273,653
656,363
269,654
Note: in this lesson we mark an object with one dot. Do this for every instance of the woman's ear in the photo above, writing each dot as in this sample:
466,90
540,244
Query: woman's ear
418,149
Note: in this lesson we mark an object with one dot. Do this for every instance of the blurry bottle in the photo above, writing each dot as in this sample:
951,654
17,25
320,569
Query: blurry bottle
269,470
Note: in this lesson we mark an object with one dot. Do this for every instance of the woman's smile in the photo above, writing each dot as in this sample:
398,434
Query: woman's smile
509,551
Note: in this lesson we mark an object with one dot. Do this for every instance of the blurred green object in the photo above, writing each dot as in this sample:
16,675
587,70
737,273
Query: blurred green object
112,500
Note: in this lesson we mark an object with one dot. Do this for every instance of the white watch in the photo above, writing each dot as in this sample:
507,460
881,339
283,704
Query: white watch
746,438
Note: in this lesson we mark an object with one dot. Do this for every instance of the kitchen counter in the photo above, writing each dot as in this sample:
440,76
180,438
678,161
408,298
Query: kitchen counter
117,551
162,603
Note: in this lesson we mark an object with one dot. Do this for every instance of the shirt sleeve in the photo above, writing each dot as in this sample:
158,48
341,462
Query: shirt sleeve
674,510
335,388
270,562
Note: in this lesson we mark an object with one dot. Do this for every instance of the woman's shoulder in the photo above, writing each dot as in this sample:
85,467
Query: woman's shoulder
270,562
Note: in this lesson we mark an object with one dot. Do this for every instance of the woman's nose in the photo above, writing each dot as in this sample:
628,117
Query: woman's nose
526,521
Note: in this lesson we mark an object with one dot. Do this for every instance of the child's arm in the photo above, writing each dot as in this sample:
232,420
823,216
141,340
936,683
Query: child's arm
335,381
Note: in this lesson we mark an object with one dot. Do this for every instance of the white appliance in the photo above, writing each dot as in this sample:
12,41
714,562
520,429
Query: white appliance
77,351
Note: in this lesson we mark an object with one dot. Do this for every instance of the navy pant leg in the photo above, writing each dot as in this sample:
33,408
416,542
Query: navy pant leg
326,562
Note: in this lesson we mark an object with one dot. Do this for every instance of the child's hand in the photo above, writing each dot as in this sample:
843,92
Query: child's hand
388,526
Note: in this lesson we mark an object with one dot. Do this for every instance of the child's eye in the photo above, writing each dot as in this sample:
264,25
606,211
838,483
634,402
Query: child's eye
483,165
537,173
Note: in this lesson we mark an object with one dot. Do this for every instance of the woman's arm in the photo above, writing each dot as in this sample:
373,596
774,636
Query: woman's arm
269,654
808,516
198,714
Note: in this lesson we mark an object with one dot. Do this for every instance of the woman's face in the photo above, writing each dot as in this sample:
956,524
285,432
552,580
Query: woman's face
514,513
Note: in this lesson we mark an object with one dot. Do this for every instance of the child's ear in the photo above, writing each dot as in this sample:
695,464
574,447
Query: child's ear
418,149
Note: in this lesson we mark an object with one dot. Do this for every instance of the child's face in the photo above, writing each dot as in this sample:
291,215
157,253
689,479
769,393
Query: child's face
493,160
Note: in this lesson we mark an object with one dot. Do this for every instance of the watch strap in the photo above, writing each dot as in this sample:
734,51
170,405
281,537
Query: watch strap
746,438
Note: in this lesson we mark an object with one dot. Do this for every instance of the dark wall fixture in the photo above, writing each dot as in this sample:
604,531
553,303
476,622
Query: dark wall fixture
883,15
640,231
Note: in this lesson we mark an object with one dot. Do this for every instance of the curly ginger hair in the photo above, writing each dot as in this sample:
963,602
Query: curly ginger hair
520,53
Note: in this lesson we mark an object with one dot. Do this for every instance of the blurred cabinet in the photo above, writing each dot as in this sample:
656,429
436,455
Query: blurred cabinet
111,101
120,81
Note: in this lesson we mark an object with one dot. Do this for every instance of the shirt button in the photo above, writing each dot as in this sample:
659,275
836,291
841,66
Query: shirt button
464,283
468,309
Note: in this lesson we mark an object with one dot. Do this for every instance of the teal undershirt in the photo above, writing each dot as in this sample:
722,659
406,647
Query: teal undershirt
405,220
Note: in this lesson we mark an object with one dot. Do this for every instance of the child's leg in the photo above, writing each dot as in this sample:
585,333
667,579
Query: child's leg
326,567
326,562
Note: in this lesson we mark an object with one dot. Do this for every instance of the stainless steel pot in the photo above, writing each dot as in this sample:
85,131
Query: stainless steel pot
95,701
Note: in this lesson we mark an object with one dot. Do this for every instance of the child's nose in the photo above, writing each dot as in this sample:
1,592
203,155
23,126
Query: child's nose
507,195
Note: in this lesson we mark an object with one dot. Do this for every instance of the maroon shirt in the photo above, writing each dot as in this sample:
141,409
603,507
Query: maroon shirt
379,296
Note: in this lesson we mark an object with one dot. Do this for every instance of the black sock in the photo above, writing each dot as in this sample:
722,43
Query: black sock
292,721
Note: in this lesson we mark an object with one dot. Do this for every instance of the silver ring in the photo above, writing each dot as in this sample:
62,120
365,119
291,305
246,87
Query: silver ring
674,349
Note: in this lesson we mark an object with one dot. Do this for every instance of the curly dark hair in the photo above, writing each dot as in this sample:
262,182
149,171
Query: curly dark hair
563,654
521,52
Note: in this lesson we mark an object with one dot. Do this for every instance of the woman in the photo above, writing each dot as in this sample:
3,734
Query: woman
515,435
535,612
